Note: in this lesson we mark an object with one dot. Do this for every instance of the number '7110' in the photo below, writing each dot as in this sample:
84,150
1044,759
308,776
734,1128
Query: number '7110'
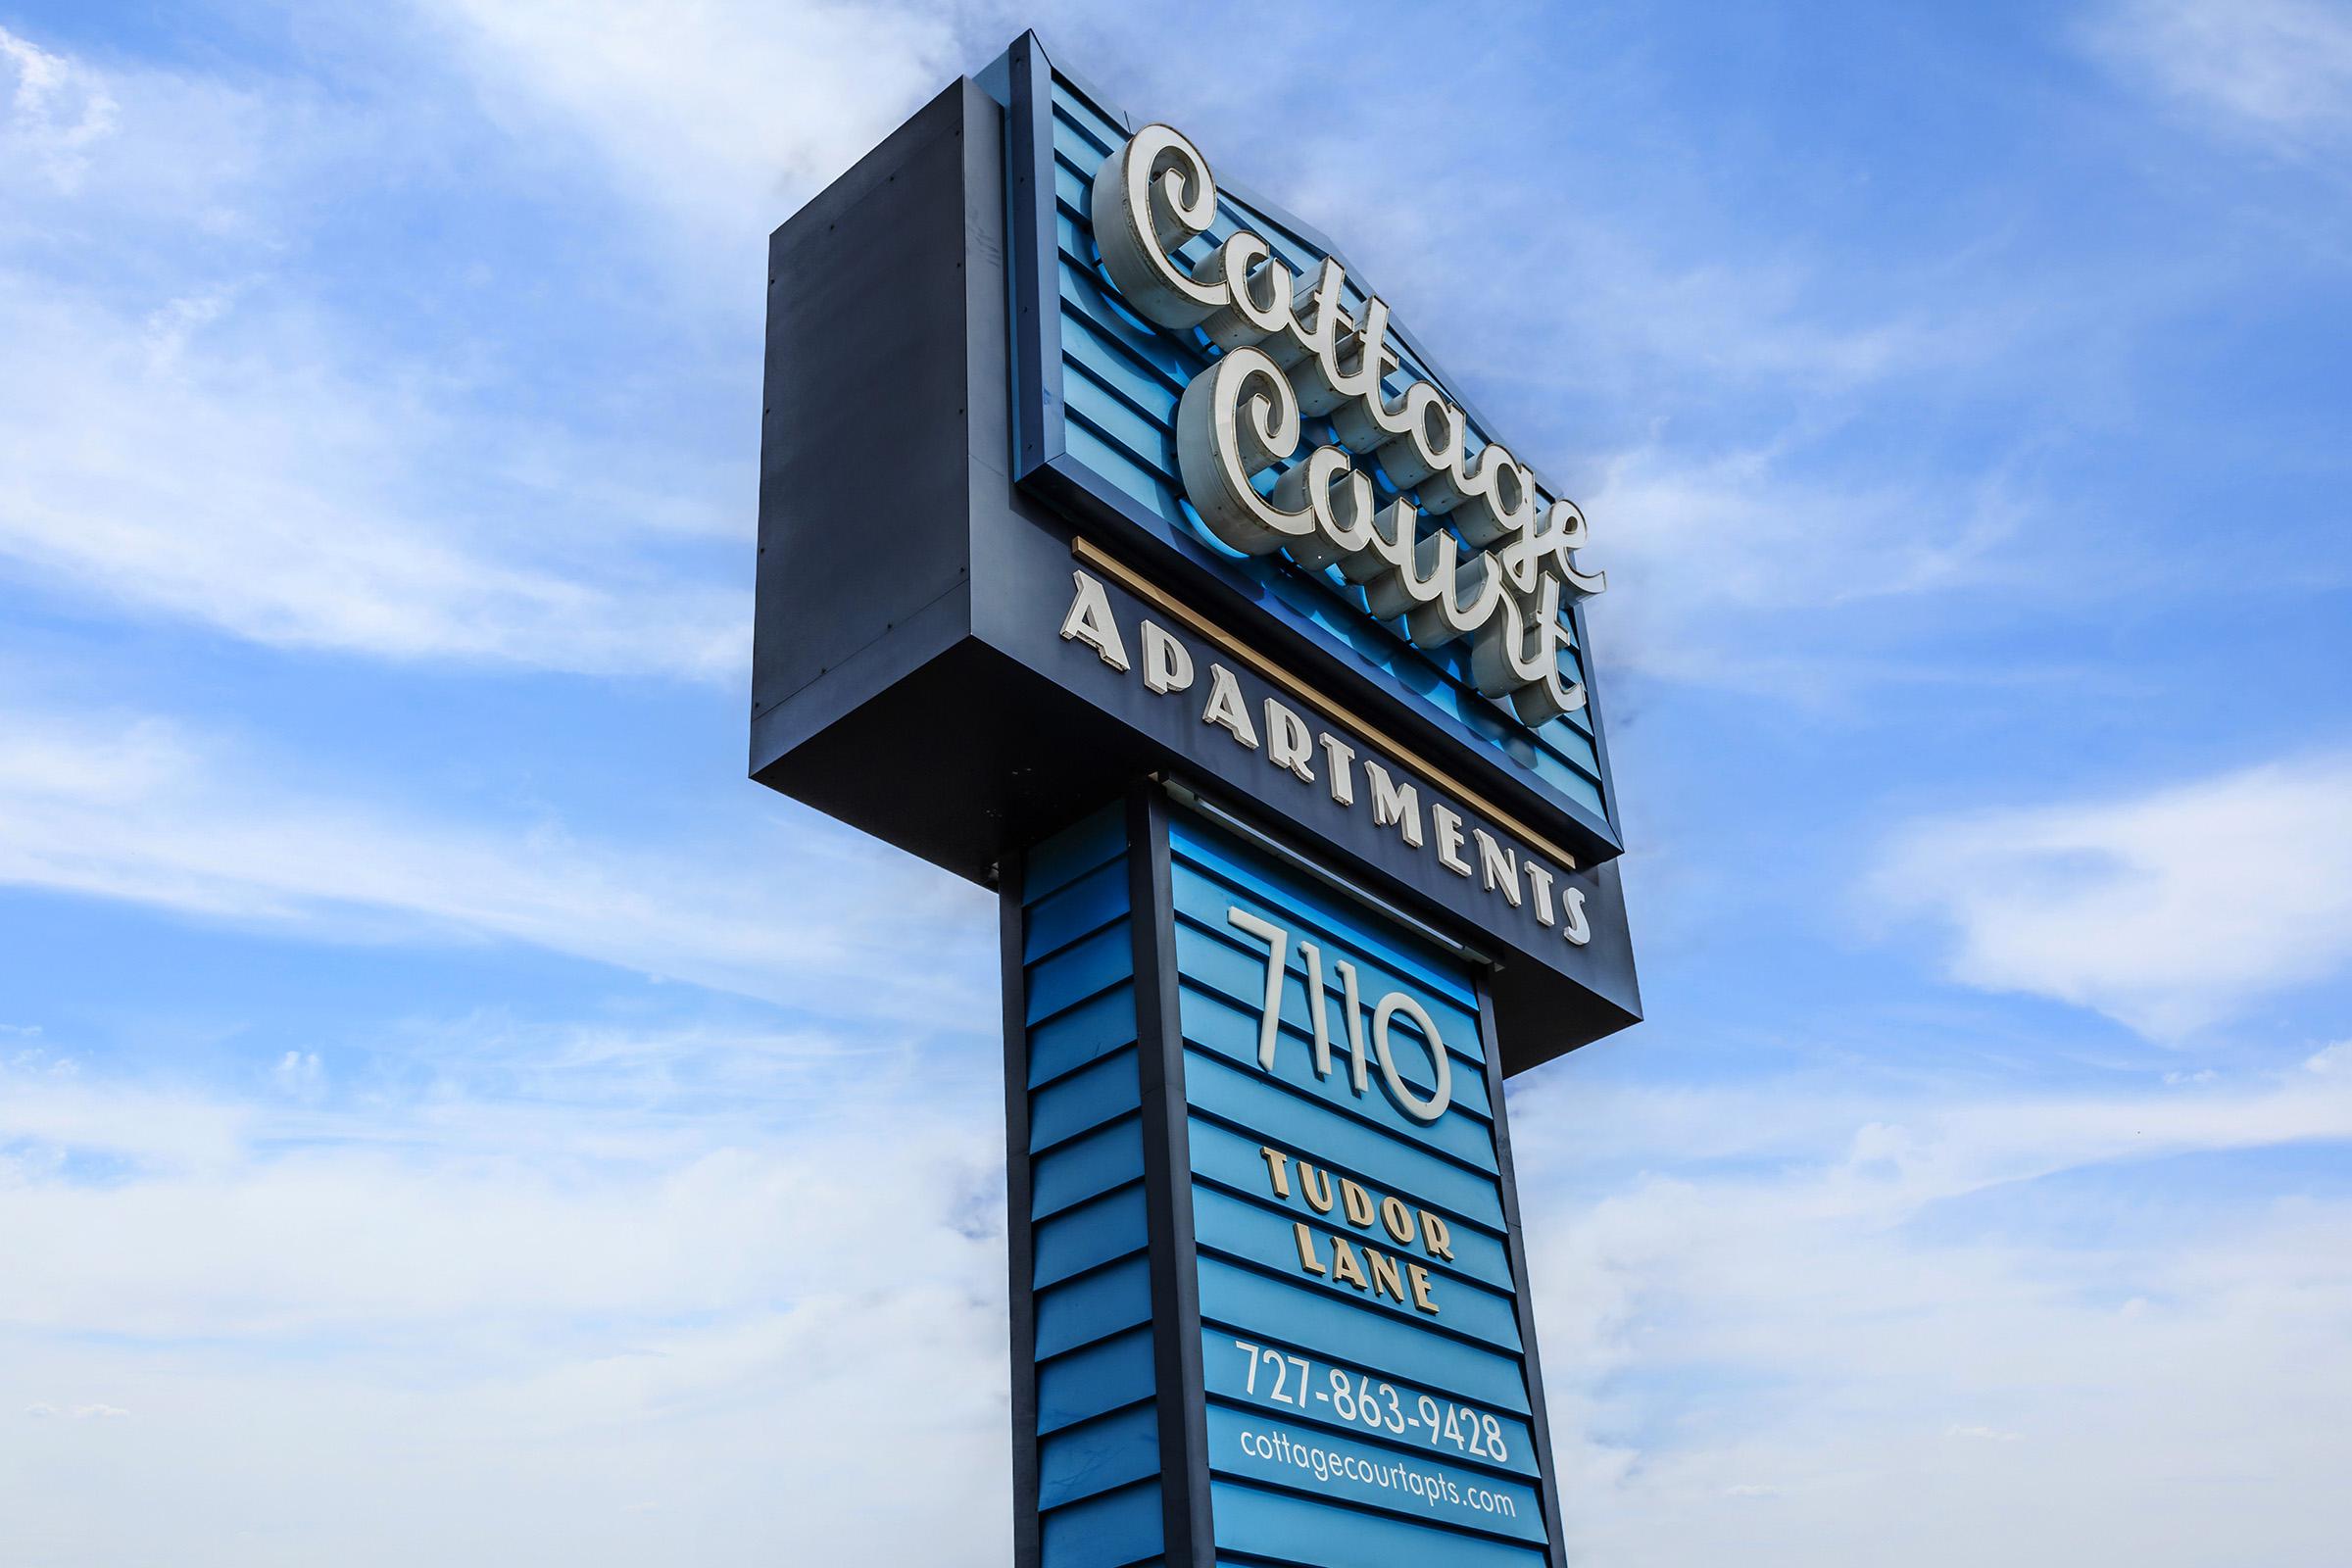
1384,1014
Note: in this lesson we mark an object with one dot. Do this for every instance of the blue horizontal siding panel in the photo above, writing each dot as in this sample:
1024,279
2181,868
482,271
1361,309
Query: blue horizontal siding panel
1093,1307
1232,963
1090,1234
1080,970
1081,908
1235,982
1075,115
1207,907
1234,1161
1295,1530
1237,1370
1119,467
1465,1198
1340,1327
1070,854
1338,921
1076,1170
1110,1529
1381,1476
1094,1456
1094,392
1214,1024
1095,1378
1248,1234
1084,1099
1085,1032
1082,1384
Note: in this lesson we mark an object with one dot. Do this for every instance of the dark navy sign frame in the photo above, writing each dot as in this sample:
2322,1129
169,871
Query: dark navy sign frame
1113,1068
1567,770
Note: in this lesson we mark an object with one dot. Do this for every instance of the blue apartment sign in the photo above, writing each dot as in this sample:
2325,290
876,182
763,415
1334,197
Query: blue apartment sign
1121,549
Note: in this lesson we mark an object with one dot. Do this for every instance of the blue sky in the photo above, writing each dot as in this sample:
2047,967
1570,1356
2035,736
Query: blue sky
447,1113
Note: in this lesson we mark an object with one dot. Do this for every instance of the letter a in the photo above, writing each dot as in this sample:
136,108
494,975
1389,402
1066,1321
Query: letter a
1089,622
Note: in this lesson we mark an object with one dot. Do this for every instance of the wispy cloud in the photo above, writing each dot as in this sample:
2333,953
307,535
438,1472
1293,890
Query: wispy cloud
2274,72
724,116
1882,1319
187,431
2167,909
339,1313
141,811
55,113
207,459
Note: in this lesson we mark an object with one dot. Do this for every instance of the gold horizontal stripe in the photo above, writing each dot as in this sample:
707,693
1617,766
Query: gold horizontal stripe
1201,626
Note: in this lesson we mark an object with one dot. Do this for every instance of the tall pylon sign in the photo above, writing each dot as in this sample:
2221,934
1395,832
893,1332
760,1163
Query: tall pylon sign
1122,549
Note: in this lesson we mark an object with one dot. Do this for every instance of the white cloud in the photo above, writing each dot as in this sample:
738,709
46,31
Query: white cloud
391,1333
54,112
2275,70
187,432
207,459
132,808
2168,910
728,114
1707,548
1940,1318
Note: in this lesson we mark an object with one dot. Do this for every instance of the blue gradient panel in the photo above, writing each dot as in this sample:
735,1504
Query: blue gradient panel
1097,1451
1365,1388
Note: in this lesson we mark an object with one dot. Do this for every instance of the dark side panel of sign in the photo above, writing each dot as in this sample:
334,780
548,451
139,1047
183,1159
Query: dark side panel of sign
1098,414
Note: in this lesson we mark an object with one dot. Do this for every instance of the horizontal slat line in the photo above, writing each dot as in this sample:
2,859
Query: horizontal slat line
1432,1325
1110,328
1488,1375
1360,959
1076,1276
1335,1109
1039,892
1310,1416
1115,1331
1109,469
1268,1102
1158,484
1204,863
1334,946
1503,1295
1067,943
1275,1206
1086,551
1372,1436
1294,1032
1164,423
1318,1422
1535,1551
1107,1410
1076,1068
1092,996
1374,1239
1438,1386
1070,1211
1111,406
1405,1147
1064,117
